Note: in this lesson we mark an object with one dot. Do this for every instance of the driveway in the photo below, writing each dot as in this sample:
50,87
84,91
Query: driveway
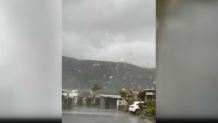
98,116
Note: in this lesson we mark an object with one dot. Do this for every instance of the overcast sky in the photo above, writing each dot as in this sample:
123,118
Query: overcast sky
110,30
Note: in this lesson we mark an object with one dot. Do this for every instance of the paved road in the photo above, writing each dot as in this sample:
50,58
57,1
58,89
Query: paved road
98,116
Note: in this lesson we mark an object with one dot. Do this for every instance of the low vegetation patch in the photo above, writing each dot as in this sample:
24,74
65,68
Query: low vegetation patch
138,112
64,106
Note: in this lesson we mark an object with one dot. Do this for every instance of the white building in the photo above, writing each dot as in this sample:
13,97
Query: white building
70,94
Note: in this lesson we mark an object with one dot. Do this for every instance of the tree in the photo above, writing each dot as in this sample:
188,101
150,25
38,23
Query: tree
94,89
124,94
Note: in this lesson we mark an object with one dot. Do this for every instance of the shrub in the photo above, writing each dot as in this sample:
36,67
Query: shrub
151,111
138,112
127,107
151,108
64,106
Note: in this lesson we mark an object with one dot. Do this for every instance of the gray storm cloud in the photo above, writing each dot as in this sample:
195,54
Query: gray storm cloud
109,30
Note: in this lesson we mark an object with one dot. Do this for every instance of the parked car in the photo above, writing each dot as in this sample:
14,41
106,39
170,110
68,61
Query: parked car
135,106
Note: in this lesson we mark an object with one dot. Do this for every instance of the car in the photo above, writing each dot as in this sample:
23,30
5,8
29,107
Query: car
135,106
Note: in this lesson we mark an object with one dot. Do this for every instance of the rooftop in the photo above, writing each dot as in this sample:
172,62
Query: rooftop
111,96
138,89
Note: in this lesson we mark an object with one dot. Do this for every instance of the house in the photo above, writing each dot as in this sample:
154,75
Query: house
65,96
67,99
110,101
84,98
74,94
81,96
134,92
70,94
96,100
150,94
121,104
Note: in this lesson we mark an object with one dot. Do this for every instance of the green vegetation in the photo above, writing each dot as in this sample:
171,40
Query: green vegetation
96,87
127,107
124,93
150,110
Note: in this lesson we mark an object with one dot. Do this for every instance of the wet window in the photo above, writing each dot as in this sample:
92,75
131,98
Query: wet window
108,52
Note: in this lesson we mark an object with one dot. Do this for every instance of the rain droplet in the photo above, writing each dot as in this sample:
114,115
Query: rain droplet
96,64
111,77
104,76
121,59
79,70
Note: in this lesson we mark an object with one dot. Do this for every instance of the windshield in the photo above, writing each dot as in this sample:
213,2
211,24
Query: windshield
108,57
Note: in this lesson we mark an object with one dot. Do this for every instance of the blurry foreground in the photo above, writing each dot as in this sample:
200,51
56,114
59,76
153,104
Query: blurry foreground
187,59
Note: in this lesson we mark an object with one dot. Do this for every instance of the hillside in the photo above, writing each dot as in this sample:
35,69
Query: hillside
112,76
